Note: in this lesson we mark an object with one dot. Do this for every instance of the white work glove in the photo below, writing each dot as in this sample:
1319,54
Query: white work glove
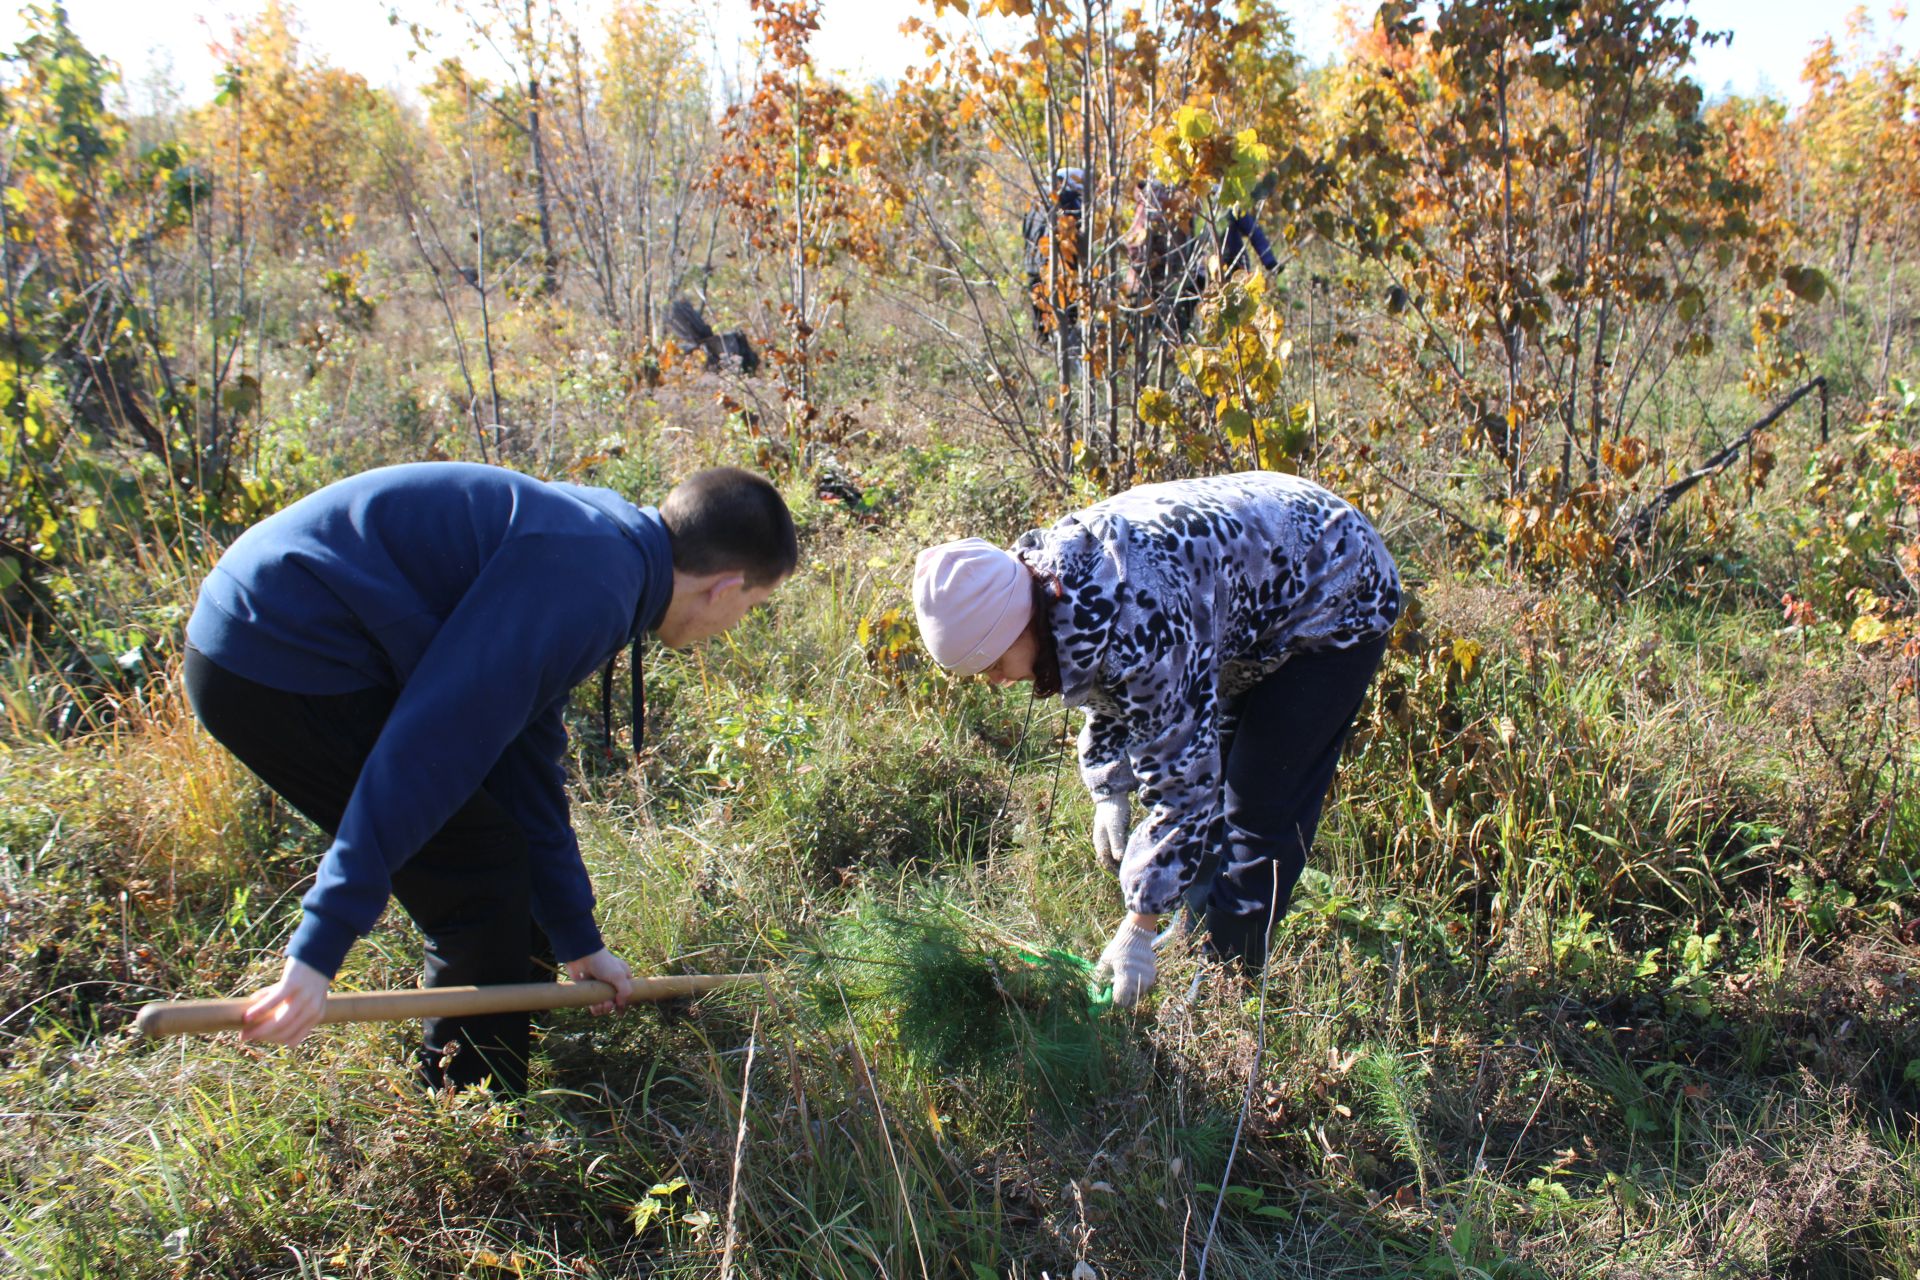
1111,825
1128,960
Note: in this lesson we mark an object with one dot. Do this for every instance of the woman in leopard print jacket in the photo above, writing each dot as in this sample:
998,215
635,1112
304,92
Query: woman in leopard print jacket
1219,635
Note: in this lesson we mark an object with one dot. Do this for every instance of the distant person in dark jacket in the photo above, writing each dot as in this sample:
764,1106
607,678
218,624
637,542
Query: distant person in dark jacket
1166,273
392,654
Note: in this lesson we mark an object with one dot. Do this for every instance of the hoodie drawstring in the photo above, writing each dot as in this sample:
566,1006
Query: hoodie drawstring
639,700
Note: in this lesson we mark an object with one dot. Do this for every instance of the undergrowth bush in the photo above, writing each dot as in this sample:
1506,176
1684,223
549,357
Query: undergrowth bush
895,799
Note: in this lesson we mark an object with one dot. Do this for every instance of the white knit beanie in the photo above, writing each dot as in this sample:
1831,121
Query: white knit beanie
972,600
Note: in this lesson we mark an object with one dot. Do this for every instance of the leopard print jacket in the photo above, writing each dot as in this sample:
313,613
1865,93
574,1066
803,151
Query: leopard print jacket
1176,598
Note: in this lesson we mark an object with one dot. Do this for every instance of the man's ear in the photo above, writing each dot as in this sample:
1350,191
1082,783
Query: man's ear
725,585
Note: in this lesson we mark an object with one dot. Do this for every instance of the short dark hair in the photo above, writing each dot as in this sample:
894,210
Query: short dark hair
729,520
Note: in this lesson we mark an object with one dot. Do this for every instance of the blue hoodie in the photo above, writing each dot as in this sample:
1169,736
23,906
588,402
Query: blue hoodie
481,596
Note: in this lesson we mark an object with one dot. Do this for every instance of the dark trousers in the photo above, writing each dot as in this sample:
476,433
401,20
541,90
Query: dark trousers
468,888
1281,745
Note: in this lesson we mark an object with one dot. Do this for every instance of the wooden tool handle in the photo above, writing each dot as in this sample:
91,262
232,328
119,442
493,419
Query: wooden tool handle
190,1017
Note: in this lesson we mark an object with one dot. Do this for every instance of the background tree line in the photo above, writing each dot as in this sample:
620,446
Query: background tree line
1529,274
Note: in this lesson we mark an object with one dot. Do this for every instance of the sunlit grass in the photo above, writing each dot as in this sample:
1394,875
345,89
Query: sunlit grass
1550,1001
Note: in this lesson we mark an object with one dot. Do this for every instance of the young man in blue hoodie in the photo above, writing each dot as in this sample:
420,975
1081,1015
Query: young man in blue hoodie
393,654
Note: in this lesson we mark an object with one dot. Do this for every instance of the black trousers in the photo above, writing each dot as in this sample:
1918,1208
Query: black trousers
1281,744
468,889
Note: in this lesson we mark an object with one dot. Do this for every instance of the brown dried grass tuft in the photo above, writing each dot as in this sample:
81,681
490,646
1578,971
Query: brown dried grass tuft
178,804
1798,1186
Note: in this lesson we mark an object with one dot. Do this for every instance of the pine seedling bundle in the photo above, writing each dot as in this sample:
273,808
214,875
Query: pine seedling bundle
958,999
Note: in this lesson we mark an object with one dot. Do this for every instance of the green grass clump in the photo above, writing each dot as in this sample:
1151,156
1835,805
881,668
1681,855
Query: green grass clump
889,804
